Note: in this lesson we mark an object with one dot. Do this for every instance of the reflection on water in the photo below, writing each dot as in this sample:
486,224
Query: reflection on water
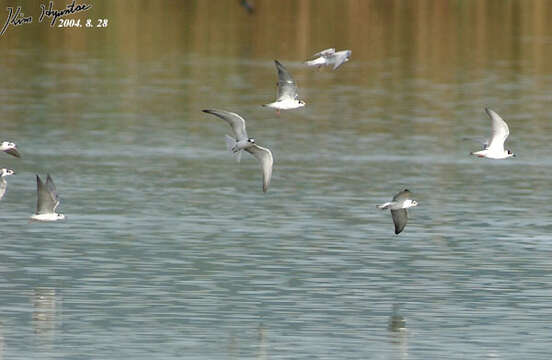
397,322
2,343
398,333
263,344
46,309
171,251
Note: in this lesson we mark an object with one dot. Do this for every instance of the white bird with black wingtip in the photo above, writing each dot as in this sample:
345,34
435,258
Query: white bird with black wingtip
47,201
329,57
287,97
241,142
401,201
494,147
9,148
3,182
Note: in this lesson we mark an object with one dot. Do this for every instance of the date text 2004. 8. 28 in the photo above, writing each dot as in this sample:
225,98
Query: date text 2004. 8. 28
77,23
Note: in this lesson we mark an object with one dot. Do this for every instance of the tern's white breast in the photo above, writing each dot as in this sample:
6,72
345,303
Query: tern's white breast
45,217
407,203
397,205
497,155
286,104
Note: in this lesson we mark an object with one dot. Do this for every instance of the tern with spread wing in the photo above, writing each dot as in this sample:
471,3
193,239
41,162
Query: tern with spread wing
241,142
329,57
9,148
287,98
47,201
401,201
3,182
494,147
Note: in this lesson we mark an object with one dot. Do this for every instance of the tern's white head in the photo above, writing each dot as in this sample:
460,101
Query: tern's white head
5,145
6,172
301,103
251,140
9,148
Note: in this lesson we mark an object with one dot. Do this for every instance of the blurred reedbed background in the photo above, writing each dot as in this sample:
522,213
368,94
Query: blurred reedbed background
171,249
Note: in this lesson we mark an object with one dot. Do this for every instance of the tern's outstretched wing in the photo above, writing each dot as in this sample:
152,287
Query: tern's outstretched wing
499,130
326,52
287,89
236,122
46,198
52,189
341,57
264,156
400,217
13,151
402,195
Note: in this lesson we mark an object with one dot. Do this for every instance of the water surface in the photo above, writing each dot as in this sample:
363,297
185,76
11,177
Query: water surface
171,250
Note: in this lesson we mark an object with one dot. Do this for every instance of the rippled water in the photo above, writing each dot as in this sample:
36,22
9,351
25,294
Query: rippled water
171,250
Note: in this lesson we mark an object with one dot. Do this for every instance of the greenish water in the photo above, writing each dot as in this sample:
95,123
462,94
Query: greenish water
171,250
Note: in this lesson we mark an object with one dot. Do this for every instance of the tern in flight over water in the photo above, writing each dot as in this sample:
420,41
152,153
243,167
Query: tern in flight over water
47,201
3,182
401,201
329,57
241,142
287,97
494,148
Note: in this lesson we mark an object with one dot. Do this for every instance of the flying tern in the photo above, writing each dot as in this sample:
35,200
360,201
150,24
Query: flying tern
287,97
401,201
47,201
494,148
329,57
240,142
3,182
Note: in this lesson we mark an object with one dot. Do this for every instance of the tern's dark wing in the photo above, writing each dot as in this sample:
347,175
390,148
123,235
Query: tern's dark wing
236,122
46,198
51,186
400,217
287,89
264,156
403,195
13,151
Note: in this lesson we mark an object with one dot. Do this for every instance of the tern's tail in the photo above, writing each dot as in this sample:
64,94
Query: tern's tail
384,206
231,145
